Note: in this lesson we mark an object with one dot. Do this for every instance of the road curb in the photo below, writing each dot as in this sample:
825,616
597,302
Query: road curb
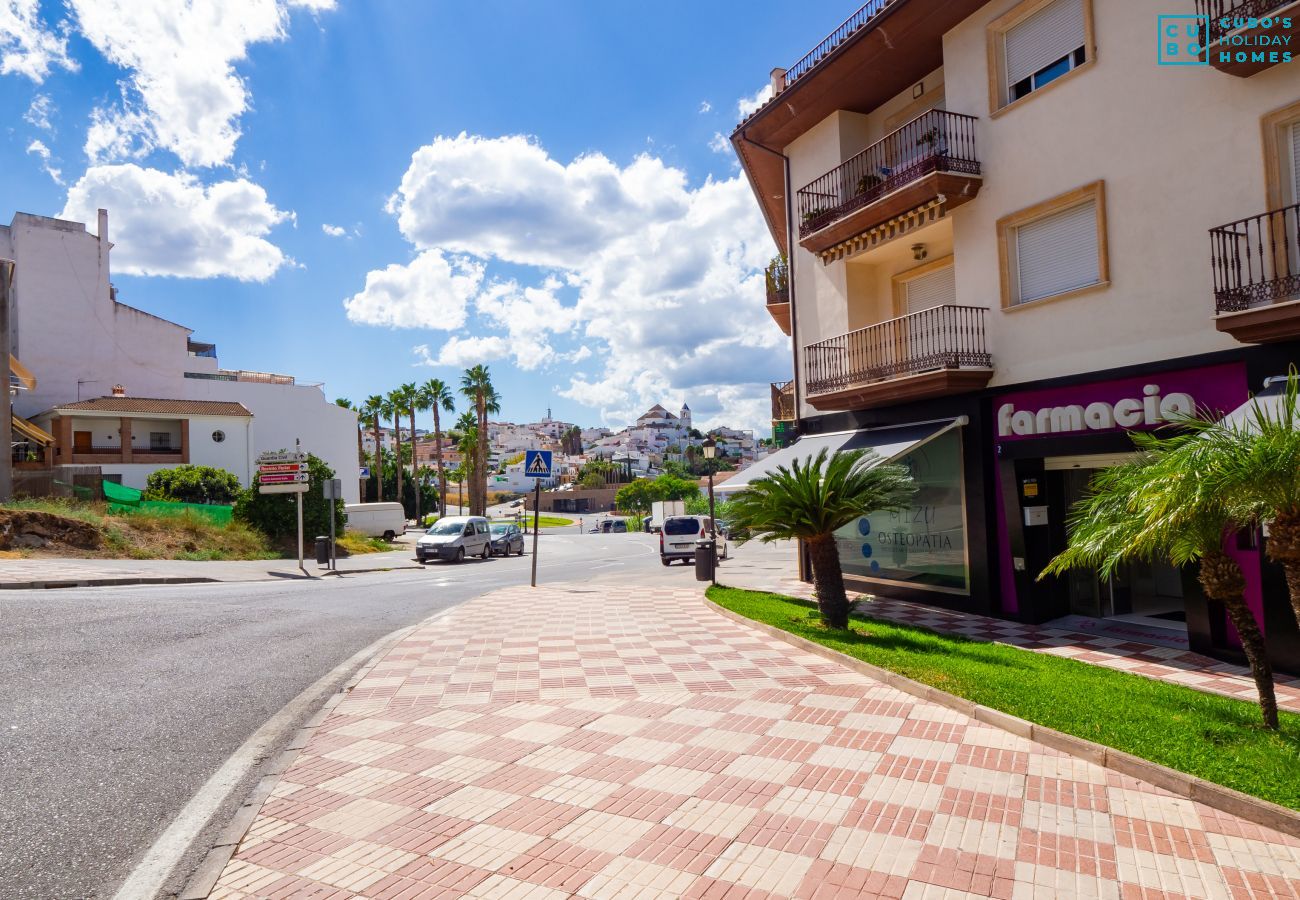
205,876
54,583
1198,790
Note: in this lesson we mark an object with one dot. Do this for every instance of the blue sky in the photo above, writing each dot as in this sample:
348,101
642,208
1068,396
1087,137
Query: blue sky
528,185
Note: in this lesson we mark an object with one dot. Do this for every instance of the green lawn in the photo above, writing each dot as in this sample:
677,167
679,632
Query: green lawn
1212,737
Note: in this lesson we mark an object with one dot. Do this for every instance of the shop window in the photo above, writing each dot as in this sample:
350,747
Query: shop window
925,546
1056,249
1036,44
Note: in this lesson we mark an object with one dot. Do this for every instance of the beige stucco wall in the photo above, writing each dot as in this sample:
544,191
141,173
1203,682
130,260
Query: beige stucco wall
1179,149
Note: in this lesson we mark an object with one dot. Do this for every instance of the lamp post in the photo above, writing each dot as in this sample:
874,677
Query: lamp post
710,449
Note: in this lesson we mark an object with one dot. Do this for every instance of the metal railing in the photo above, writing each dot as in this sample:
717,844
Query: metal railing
117,451
783,401
846,29
1256,260
1237,12
935,141
942,337
777,278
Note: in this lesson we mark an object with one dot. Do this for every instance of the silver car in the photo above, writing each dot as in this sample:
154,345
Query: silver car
507,538
454,538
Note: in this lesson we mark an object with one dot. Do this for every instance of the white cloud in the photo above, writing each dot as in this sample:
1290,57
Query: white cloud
333,230
431,291
748,105
27,47
705,106
719,143
180,58
39,148
460,352
667,277
40,113
171,224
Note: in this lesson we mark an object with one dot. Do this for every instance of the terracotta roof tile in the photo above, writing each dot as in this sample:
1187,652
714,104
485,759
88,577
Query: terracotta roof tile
151,405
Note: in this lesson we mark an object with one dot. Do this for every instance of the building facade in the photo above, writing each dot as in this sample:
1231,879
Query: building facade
81,343
1009,236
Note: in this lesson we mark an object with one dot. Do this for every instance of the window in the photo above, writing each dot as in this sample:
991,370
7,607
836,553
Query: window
218,436
936,286
1036,44
1055,249
1282,155
160,440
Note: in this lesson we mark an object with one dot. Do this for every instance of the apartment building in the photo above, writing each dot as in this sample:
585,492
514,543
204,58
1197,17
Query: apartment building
1010,233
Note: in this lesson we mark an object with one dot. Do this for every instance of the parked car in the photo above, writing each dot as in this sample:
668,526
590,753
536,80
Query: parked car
619,526
678,537
381,520
454,538
507,538
516,503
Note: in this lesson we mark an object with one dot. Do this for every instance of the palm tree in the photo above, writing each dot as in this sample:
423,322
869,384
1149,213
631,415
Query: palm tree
467,444
411,395
436,395
1255,468
393,409
476,385
373,409
1162,506
810,500
345,403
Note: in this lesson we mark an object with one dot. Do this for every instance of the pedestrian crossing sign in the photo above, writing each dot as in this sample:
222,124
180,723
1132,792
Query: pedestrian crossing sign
537,463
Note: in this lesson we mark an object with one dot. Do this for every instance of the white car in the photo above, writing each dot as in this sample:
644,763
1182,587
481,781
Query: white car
678,537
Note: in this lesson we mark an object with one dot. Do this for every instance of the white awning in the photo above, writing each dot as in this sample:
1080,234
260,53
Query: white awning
890,443
1271,406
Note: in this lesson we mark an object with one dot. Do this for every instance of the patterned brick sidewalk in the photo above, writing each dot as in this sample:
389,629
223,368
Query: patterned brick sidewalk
628,742
1162,663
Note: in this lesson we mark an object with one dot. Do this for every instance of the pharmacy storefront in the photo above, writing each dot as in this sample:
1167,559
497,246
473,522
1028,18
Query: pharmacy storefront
1047,445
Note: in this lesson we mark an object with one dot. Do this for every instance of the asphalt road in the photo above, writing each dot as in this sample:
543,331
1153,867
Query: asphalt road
117,704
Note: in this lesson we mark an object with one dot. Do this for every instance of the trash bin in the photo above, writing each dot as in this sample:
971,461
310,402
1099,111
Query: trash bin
322,550
704,559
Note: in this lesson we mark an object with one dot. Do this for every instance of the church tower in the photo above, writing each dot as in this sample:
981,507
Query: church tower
686,416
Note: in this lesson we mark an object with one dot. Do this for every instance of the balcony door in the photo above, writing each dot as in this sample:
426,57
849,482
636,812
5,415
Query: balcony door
1292,183
922,340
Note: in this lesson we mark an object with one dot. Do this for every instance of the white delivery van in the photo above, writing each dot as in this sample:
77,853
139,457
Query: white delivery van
381,520
678,537
454,538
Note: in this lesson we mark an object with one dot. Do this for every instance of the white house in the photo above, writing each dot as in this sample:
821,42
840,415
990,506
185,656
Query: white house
80,341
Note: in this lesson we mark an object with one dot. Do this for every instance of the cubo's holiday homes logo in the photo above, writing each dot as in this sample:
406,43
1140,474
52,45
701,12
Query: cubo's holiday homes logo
1199,40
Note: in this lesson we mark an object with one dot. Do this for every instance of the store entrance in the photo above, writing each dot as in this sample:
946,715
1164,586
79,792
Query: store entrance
1141,601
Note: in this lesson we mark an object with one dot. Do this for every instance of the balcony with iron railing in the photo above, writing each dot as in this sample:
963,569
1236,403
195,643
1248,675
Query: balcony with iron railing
1256,266
931,353
1248,36
930,158
777,278
783,401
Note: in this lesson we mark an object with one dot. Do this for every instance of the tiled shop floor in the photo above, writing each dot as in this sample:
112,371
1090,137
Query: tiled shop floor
629,742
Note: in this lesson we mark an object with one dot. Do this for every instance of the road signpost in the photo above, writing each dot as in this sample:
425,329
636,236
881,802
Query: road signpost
332,488
537,465
285,472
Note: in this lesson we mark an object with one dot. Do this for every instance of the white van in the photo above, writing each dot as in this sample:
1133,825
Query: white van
679,534
381,520
454,538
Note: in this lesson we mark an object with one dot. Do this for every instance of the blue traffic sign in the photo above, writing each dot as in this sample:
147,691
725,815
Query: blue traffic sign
537,463
365,471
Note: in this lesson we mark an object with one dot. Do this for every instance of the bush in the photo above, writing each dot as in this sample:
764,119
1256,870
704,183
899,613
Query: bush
193,484
275,515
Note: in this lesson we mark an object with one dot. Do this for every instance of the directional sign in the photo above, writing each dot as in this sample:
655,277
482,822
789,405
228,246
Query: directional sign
272,457
281,468
537,463
283,488
288,478
365,471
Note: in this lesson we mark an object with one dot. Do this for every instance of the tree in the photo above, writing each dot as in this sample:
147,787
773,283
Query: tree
373,409
436,395
476,386
396,405
571,441
1254,469
809,501
467,444
638,496
361,450
411,394
276,516
1162,506
671,487
193,484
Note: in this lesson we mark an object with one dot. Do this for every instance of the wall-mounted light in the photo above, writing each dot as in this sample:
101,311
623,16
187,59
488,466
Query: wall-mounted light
919,252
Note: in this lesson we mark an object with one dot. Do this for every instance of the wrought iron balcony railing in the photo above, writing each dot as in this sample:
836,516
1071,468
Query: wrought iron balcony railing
936,141
943,337
777,277
843,32
1256,260
783,401
1237,13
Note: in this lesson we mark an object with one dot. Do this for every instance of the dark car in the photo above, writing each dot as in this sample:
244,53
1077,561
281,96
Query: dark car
507,539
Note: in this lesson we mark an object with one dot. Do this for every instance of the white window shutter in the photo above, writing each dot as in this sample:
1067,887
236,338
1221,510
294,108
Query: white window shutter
937,288
1043,38
1058,253
1295,162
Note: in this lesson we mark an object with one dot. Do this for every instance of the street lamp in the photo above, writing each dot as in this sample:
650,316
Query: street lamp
710,449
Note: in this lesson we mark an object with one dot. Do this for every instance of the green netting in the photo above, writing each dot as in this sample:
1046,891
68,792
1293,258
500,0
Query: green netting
123,499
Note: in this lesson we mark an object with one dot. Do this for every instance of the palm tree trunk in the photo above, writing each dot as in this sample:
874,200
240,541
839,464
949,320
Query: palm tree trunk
480,476
415,468
361,461
378,473
442,475
828,579
397,436
1222,580
1284,548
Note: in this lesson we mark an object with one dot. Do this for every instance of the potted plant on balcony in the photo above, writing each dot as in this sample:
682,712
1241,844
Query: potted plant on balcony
812,214
867,183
